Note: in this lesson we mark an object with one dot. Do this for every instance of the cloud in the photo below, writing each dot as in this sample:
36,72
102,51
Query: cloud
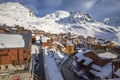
89,4
105,8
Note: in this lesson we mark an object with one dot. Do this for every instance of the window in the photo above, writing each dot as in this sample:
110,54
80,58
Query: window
25,59
6,67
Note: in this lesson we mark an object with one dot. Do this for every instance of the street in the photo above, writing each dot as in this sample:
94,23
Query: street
67,73
38,66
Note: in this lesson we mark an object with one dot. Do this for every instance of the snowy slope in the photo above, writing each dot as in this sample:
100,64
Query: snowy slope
16,14
79,23
60,21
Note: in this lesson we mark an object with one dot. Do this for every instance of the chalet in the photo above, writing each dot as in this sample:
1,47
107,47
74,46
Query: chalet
92,40
46,42
102,68
58,46
55,39
96,59
81,38
15,49
20,30
69,48
110,45
107,45
54,35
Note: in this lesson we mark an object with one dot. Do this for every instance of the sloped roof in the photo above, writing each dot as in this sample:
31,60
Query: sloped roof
56,42
102,72
81,56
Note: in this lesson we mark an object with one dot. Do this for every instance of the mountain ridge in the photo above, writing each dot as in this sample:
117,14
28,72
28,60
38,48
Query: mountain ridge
59,21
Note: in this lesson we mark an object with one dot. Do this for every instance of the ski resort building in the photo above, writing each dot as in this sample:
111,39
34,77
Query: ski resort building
98,66
15,49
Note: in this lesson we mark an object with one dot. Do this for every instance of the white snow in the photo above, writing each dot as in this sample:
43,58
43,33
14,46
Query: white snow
56,42
35,49
44,38
80,57
69,43
60,21
102,72
107,55
12,41
52,69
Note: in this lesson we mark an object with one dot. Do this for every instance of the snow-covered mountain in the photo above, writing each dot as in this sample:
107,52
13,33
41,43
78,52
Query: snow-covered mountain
16,14
79,23
60,21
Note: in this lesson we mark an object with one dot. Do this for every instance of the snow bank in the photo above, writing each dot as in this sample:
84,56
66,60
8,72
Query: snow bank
52,69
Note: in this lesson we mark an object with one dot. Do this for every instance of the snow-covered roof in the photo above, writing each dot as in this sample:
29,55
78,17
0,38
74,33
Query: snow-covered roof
107,55
35,49
14,40
44,38
56,42
118,72
69,43
80,57
102,72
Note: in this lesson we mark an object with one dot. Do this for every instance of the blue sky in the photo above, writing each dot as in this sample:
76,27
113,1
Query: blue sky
98,9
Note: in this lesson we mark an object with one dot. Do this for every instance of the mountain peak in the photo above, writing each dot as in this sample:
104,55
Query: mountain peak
68,14
79,15
57,15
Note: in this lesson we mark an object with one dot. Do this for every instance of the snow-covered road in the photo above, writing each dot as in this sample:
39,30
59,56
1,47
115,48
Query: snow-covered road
65,68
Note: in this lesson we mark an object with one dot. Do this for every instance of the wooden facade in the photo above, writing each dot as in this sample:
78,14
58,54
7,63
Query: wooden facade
17,55
13,56
96,59
3,30
116,65
69,49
